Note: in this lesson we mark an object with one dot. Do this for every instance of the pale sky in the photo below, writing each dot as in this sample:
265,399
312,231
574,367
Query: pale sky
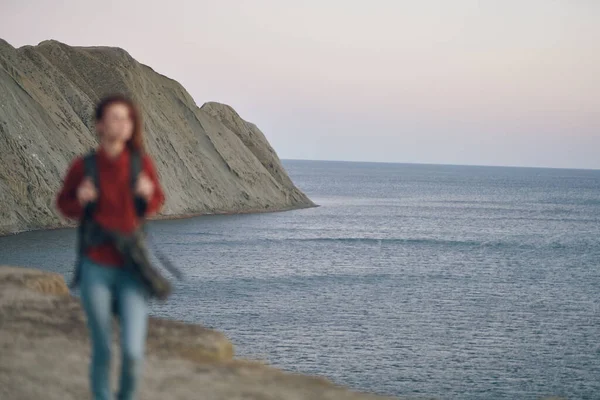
489,82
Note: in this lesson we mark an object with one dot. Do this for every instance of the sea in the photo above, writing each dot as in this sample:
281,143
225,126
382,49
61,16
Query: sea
455,282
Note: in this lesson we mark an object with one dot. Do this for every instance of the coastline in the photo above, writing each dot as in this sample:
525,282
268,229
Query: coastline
46,353
163,217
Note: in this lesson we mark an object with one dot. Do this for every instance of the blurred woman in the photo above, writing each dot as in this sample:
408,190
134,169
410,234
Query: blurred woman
106,286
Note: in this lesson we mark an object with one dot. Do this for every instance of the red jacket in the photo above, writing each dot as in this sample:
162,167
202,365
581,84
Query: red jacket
115,209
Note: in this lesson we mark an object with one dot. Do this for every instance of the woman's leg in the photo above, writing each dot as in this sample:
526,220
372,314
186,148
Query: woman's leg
133,316
96,295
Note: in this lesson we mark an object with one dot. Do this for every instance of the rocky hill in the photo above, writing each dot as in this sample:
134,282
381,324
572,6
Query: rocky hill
209,159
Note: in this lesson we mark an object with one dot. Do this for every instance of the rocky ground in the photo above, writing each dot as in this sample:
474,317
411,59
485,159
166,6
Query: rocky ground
44,353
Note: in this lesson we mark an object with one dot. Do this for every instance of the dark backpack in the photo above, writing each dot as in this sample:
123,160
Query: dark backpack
132,247
90,170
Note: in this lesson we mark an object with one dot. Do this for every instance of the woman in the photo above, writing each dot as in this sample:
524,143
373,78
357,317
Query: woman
104,280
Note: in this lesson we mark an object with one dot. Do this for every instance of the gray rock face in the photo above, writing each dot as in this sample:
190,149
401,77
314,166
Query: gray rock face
209,159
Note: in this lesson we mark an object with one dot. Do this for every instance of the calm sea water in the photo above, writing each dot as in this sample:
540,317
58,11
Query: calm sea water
455,282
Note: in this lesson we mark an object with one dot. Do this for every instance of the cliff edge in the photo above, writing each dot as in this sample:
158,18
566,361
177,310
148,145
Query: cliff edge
45,353
209,159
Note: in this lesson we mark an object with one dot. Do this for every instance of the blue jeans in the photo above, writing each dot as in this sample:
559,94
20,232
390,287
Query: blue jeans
100,286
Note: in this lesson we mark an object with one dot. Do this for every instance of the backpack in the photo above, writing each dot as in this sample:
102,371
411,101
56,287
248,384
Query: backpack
132,247
90,170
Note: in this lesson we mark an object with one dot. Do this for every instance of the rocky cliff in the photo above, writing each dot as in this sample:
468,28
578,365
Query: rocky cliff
45,352
209,159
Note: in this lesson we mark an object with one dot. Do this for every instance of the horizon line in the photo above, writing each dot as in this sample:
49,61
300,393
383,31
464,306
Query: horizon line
443,164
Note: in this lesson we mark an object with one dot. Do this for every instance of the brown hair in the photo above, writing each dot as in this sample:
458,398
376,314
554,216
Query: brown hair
137,138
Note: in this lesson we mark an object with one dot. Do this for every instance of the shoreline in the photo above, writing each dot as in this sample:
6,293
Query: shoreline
51,355
161,217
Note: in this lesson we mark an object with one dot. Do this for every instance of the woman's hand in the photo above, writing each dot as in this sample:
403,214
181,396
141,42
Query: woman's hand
86,192
144,187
